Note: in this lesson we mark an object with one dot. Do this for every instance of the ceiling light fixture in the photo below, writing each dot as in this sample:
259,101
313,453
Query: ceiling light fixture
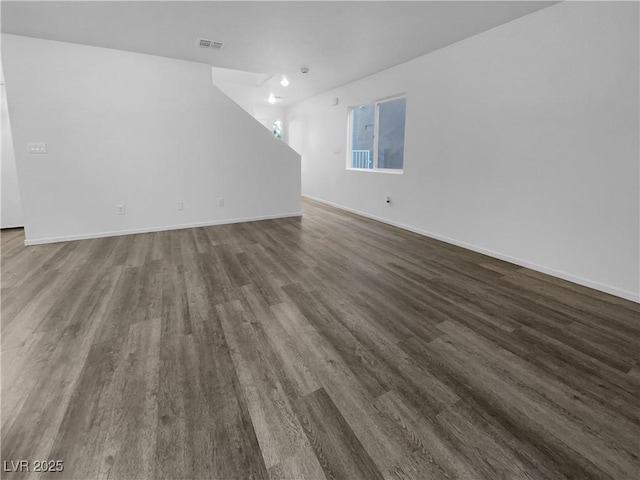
272,99
284,82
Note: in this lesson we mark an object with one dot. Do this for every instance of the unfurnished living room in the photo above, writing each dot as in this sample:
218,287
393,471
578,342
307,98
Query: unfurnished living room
320,240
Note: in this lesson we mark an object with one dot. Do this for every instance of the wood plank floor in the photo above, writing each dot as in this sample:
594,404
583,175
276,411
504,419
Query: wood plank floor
328,346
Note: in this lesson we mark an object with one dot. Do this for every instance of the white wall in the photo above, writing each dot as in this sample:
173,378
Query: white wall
237,85
521,142
266,115
242,88
137,130
11,212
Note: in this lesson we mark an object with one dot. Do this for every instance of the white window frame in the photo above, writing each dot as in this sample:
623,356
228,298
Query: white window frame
376,125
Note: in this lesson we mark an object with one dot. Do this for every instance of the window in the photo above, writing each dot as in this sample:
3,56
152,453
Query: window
277,129
377,135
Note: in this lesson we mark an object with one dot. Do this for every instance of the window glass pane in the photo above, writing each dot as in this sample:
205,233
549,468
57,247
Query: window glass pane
391,133
277,129
362,119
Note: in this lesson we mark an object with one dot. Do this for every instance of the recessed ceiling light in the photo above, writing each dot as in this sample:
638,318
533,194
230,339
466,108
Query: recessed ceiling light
284,82
272,99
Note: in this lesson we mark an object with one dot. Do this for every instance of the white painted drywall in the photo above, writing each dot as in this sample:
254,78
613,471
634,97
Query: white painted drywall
242,88
521,142
266,115
237,85
142,131
11,213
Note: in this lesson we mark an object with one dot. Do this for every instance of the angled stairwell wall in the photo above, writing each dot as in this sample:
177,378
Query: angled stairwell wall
136,130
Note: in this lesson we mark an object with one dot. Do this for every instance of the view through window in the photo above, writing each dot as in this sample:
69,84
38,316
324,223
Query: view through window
377,135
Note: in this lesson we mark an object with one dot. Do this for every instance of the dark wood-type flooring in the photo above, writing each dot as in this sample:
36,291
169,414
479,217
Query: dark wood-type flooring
328,346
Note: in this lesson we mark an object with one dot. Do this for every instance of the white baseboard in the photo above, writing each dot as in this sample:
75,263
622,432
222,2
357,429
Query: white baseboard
87,236
634,297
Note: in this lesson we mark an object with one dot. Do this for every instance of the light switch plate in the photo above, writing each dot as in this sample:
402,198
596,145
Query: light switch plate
36,148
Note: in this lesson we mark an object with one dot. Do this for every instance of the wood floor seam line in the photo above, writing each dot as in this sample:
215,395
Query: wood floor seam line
327,346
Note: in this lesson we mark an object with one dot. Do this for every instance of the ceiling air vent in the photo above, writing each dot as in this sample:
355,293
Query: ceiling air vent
204,43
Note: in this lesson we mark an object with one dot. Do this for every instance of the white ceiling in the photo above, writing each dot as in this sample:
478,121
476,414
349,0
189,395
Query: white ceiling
338,41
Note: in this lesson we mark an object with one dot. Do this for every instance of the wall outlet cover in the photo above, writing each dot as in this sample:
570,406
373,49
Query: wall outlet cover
36,148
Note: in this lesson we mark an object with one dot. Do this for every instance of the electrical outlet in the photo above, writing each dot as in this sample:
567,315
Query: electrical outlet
120,209
180,205
221,202
36,148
